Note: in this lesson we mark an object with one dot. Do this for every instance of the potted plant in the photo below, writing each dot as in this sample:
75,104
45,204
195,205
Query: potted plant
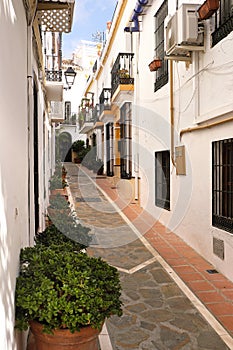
55,182
73,237
78,148
65,224
207,9
155,64
58,203
123,73
65,297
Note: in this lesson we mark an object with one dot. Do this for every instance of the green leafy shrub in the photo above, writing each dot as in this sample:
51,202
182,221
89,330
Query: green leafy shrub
65,290
58,202
55,182
74,235
78,146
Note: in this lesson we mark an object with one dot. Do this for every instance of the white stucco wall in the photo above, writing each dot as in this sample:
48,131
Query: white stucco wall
202,92
13,158
17,158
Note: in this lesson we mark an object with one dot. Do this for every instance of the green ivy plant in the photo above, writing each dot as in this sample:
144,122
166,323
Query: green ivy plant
65,289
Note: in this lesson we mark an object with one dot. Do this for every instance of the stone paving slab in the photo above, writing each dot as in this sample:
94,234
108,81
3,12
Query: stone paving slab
156,313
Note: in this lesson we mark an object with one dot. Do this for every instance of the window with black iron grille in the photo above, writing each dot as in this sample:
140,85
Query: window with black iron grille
162,73
162,179
222,184
67,110
223,21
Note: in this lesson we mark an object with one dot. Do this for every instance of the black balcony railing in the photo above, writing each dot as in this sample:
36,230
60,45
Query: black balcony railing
53,75
122,71
105,100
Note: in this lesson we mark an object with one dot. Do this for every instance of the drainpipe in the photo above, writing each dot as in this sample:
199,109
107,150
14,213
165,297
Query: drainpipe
29,114
172,112
136,97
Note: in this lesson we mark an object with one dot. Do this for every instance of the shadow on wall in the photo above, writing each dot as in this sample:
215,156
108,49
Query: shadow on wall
9,339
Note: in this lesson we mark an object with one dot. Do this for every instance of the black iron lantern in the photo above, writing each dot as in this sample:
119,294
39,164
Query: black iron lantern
69,76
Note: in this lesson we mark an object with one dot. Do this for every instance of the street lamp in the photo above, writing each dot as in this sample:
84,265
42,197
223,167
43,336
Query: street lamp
69,76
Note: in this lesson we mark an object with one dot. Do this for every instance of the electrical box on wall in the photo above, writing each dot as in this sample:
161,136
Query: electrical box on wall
183,32
180,160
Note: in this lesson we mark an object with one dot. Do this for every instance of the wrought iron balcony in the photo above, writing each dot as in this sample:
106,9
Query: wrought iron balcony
122,71
53,75
105,100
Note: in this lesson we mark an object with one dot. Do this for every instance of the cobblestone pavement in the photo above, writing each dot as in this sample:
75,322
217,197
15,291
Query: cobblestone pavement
157,315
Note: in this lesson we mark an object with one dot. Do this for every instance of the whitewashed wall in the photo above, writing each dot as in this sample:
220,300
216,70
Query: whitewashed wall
202,92
16,158
13,158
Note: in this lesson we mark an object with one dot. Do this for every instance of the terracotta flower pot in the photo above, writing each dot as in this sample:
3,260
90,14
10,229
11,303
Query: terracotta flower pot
207,9
63,339
155,65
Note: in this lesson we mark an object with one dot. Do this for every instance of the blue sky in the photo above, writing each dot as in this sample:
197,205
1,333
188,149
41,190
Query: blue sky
90,16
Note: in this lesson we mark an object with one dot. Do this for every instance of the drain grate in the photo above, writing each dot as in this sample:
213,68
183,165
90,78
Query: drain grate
212,271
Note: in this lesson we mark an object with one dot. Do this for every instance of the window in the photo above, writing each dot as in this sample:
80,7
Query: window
67,110
222,186
126,141
162,179
162,73
223,21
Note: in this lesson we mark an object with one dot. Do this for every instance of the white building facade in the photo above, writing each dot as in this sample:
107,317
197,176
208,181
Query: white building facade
27,146
168,130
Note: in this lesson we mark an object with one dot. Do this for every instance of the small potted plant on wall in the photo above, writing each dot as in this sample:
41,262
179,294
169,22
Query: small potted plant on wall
65,296
208,8
155,64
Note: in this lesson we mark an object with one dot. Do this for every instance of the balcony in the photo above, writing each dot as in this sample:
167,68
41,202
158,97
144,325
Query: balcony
70,121
96,116
105,104
122,74
53,75
85,119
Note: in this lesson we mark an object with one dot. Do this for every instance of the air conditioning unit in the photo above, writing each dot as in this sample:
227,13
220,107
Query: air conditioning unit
183,32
